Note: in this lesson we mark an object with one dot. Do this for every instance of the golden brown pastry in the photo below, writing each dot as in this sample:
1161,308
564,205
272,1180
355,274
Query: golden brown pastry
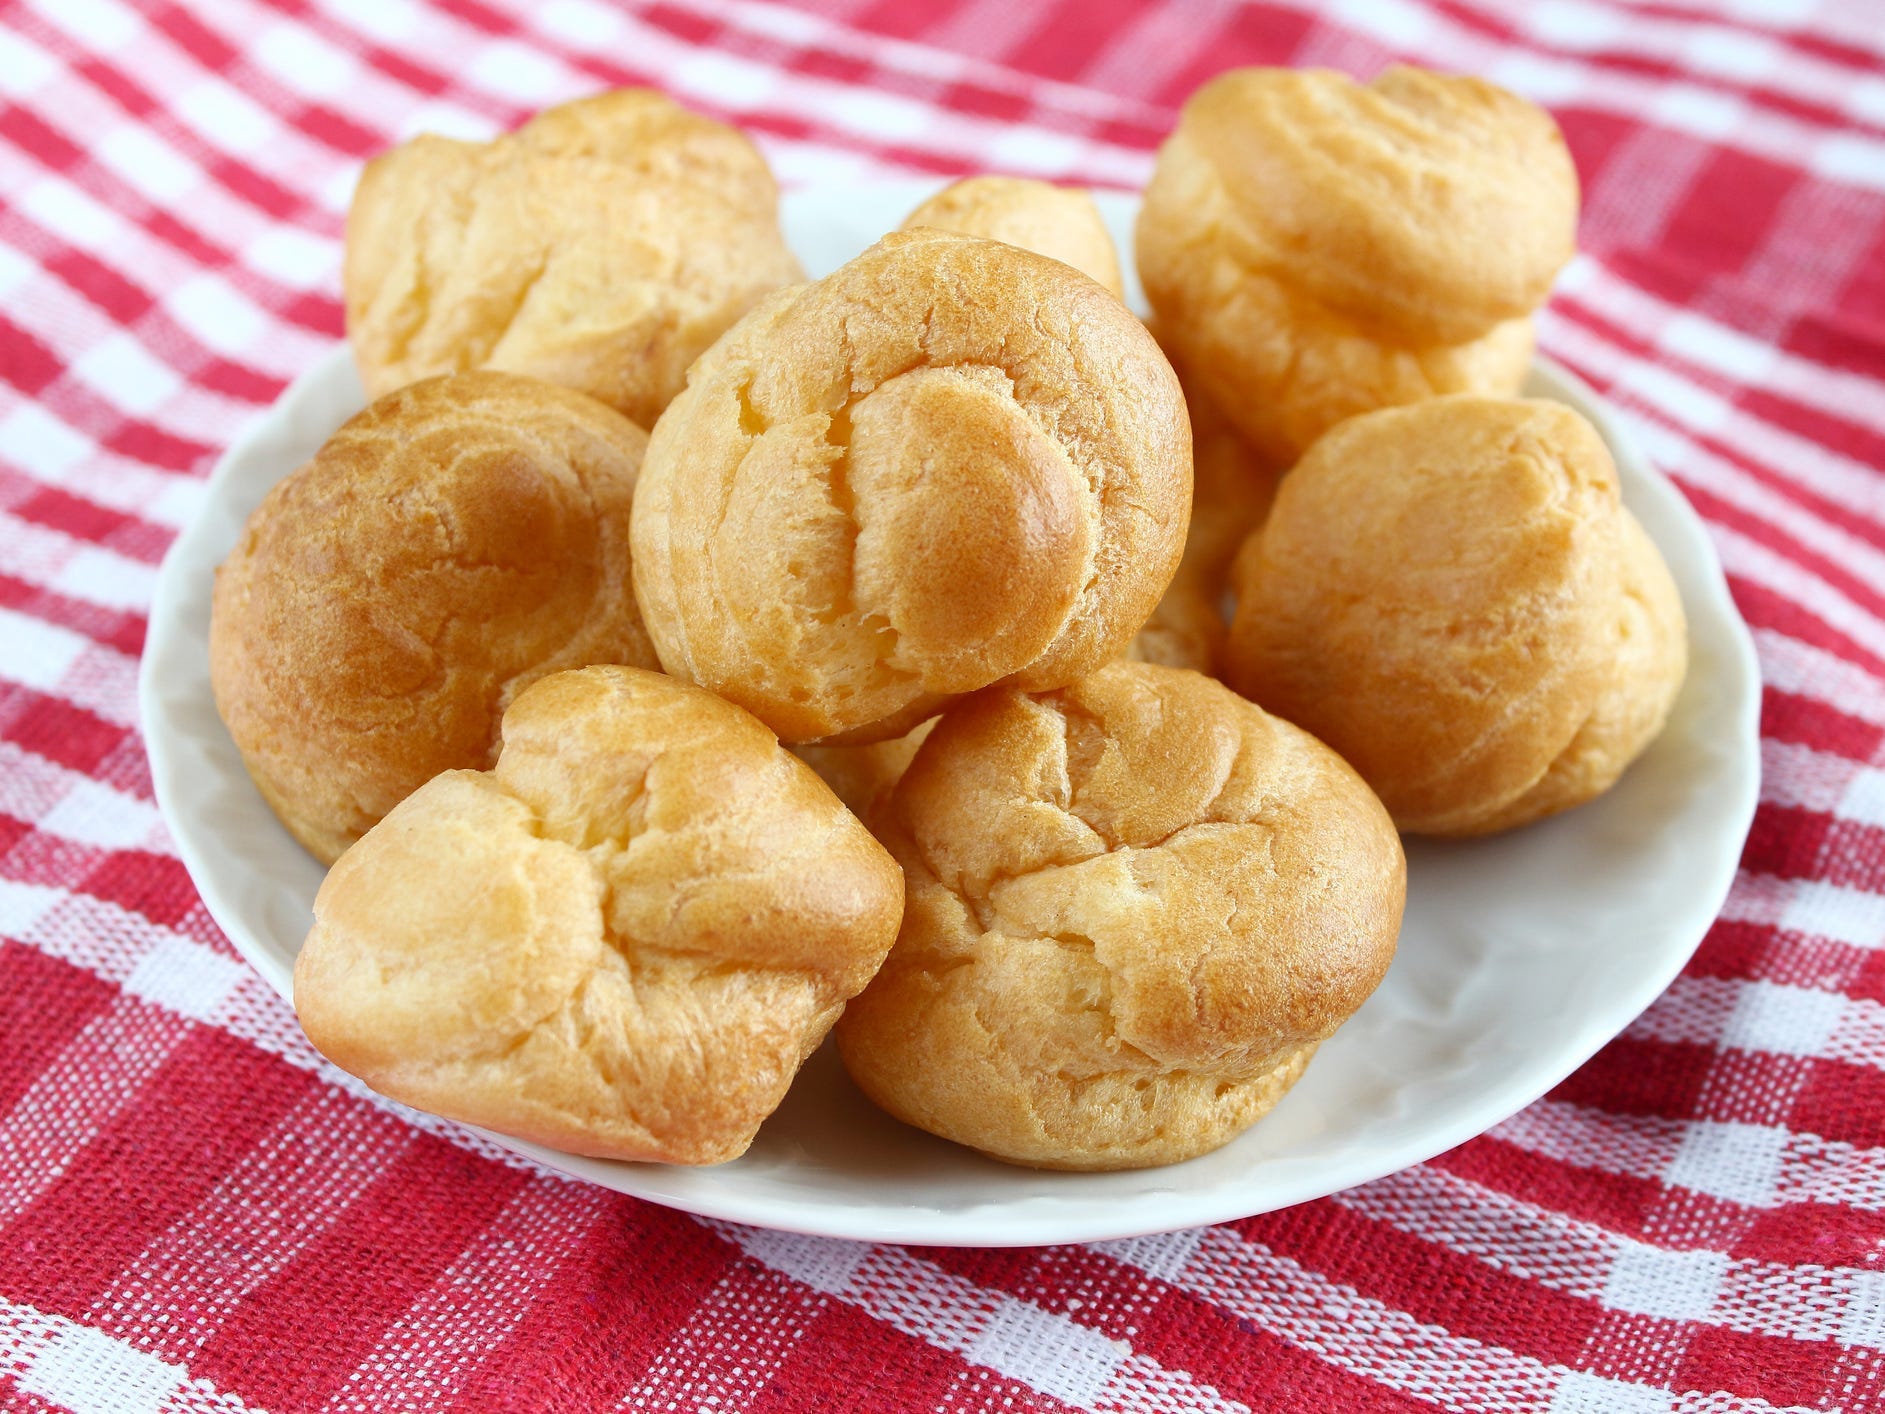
623,940
1231,490
1316,248
1186,629
602,246
863,776
1231,494
1059,222
1452,596
1652,657
1134,908
950,463
449,545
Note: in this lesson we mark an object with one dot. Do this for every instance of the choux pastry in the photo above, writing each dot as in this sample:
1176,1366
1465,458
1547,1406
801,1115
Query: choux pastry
1059,222
951,463
1452,596
1231,490
623,940
1631,710
1134,907
1315,247
602,246
1186,630
863,776
455,541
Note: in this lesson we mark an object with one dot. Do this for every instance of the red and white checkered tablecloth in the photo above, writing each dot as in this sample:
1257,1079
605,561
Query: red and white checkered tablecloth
195,1215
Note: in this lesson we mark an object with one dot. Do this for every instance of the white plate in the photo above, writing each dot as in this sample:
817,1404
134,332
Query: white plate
1520,956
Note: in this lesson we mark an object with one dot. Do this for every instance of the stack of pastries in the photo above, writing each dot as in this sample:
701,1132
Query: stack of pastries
678,661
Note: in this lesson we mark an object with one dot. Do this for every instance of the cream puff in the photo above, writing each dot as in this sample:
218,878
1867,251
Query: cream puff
1060,222
951,463
622,940
1452,596
451,544
601,246
1315,248
1135,907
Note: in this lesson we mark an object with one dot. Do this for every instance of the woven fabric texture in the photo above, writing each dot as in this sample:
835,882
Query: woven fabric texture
196,1213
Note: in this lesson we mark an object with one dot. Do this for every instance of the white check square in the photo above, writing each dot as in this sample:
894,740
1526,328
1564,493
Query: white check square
185,977
1730,1160
292,258
1046,1351
304,62
524,75
219,317
229,119
1653,1281
1833,911
155,168
32,436
82,1368
127,375
1787,1021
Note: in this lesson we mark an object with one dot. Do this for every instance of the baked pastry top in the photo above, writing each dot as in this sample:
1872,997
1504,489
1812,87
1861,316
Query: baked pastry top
623,940
950,463
1231,493
1316,247
447,546
1453,597
602,246
1431,205
1134,907
1059,222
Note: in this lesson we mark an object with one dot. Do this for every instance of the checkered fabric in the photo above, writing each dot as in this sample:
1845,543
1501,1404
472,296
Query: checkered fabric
196,1213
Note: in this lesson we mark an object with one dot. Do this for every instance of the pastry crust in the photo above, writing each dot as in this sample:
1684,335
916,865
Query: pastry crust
455,541
1451,595
623,940
863,776
1134,908
602,246
950,463
1059,222
1650,663
1315,248
1185,630
1231,491
1233,486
